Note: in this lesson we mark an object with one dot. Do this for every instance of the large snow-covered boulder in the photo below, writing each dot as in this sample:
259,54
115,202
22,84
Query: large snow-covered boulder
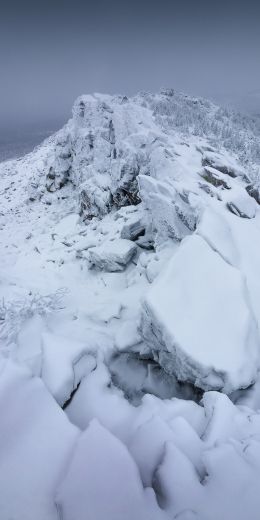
197,321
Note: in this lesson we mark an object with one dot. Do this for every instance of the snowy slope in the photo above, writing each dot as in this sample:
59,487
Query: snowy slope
129,280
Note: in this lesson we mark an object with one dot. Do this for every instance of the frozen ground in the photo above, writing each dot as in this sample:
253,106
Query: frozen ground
129,318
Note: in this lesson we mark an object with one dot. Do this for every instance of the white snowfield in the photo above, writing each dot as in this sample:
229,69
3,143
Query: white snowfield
130,315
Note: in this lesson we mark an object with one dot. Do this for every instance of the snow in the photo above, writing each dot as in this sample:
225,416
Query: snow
64,363
109,482
215,230
36,445
129,245
234,239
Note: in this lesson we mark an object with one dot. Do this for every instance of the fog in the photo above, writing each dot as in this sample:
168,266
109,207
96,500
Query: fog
52,52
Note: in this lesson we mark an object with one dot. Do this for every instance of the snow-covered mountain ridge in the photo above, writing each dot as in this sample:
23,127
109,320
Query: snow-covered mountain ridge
130,286
120,136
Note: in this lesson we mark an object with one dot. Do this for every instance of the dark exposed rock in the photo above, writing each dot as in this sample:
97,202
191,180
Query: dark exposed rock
186,216
221,167
127,197
56,180
236,210
213,178
253,192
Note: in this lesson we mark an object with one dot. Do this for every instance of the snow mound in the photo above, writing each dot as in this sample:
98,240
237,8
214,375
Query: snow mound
64,364
197,321
36,445
109,482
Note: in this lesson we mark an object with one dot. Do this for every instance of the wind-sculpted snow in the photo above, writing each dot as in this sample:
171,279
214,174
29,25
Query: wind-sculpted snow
129,284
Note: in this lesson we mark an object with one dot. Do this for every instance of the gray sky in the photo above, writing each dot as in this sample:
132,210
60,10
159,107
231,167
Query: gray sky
53,51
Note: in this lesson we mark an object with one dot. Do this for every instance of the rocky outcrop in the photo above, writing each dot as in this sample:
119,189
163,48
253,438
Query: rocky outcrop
97,156
59,171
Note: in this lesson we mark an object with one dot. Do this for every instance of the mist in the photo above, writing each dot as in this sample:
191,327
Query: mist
50,53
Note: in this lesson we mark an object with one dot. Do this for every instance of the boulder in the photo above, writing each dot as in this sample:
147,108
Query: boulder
112,255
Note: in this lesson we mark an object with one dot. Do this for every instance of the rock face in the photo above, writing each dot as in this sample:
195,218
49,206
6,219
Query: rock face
198,323
59,173
112,140
98,155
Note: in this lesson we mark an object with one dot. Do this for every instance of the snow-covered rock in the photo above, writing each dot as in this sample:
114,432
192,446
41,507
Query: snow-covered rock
171,213
112,140
133,229
112,255
224,164
215,177
242,206
198,323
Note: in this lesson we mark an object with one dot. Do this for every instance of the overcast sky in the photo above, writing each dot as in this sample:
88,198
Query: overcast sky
53,51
